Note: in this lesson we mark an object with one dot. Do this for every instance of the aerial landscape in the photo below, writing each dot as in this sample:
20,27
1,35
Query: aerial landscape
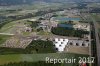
33,31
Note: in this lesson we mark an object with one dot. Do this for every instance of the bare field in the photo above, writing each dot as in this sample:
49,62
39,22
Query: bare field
78,50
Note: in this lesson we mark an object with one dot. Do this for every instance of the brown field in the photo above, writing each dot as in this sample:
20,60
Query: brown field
77,50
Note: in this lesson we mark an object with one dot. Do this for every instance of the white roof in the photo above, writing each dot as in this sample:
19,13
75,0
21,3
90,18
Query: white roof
60,44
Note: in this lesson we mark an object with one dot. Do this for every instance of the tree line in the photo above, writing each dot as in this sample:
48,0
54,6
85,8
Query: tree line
68,32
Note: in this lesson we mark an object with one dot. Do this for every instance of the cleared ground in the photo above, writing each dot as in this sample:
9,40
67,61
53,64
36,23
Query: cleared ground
77,50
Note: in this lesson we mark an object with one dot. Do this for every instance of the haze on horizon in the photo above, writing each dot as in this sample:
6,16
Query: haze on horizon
15,2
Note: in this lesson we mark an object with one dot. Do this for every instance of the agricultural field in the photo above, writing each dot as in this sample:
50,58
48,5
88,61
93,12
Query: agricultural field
95,5
4,59
3,38
12,26
96,16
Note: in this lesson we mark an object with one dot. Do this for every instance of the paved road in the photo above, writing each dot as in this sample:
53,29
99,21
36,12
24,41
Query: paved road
6,34
97,39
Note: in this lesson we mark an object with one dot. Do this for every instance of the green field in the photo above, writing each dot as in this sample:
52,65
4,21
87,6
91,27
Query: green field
11,26
3,38
95,5
37,57
96,16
